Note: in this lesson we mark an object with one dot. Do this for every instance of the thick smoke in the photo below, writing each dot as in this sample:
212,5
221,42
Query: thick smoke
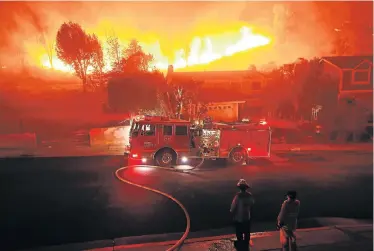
297,29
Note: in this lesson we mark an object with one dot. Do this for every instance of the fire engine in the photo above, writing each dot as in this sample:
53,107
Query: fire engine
166,142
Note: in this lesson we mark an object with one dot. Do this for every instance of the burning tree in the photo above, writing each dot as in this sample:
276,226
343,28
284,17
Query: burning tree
78,49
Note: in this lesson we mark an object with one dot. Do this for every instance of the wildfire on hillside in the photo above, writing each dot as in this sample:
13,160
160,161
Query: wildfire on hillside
184,34
202,50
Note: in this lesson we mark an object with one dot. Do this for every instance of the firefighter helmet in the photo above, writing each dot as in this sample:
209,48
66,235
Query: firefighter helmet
242,183
292,194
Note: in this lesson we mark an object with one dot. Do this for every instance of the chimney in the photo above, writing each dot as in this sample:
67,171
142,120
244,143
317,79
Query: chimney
170,69
169,75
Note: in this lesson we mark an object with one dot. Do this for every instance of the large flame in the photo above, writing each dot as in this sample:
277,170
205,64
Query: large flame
202,50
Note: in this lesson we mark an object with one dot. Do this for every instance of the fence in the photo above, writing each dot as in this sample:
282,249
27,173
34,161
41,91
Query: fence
18,141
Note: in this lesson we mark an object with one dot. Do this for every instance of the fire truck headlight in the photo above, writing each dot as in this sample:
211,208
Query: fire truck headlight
184,159
144,160
134,155
249,149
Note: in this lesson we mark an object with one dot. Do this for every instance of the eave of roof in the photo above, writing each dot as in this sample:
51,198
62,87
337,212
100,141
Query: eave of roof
348,62
205,75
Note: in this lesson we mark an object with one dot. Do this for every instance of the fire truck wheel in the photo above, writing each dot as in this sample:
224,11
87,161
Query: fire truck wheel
237,156
165,158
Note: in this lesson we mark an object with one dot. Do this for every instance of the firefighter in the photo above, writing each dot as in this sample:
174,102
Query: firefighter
241,207
287,221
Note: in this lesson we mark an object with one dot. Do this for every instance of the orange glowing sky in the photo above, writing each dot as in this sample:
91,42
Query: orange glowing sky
205,35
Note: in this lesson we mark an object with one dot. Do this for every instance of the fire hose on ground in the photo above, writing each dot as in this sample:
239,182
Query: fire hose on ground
180,242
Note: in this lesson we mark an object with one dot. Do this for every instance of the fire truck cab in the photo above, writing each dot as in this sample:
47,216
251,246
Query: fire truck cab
166,142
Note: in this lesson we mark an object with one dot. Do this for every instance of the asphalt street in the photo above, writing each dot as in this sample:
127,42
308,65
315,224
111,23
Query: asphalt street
48,201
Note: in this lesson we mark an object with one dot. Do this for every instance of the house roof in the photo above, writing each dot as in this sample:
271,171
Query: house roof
348,62
208,75
218,95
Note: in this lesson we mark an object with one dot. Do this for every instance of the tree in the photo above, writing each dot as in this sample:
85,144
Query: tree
114,51
285,91
185,94
48,46
137,93
78,49
137,77
277,94
135,59
97,78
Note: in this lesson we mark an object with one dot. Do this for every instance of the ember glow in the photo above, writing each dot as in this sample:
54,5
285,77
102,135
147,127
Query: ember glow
202,50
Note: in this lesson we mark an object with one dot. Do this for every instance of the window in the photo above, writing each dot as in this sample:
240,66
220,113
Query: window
256,85
361,76
134,131
168,130
148,130
181,130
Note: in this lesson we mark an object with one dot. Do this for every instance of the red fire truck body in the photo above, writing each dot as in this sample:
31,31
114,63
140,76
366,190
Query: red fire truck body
166,142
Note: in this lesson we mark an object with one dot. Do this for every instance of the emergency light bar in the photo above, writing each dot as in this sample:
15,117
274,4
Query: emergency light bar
139,117
151,118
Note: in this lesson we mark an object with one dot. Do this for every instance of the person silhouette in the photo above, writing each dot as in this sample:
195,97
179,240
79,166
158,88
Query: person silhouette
241,207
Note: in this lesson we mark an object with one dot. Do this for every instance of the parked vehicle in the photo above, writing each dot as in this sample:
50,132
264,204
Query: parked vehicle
166,142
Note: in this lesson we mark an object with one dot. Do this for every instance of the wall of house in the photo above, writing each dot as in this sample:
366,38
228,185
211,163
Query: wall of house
332,71
362,104
357,85
358,79
225,112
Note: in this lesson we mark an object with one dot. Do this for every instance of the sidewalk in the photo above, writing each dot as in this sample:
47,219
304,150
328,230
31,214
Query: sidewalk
357,237
342,238
69,151
322,147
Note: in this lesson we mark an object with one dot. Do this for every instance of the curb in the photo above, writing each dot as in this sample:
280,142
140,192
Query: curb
321,147
187,241
170,239
222,237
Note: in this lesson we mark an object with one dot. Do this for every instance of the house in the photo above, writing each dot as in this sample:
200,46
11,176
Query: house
227,93
247,81
221,105
354,78
354,75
